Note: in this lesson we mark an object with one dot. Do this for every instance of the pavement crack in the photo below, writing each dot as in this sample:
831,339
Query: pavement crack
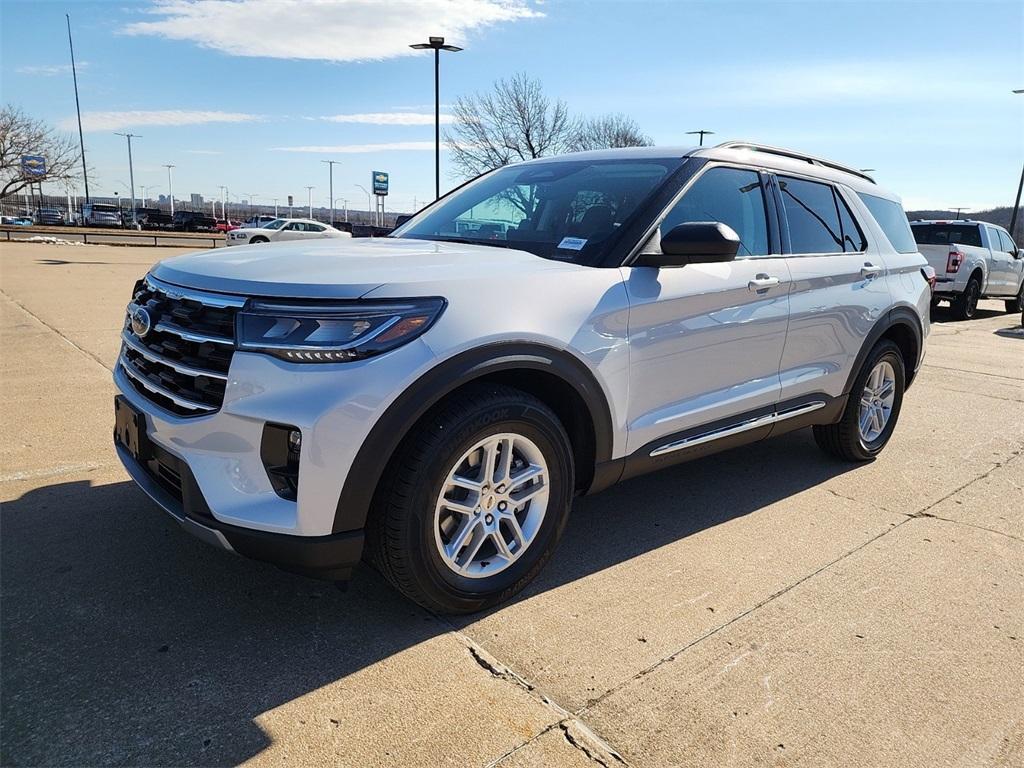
42,322
1016,379
496,668
972,525
589,743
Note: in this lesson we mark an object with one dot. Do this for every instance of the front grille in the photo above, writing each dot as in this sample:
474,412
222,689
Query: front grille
181,362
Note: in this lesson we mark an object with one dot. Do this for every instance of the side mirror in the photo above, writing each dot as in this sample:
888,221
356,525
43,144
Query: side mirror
1019,254
696,242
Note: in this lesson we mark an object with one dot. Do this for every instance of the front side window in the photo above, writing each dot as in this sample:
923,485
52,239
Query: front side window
568,210
731,196
812,212
275,224
1006,243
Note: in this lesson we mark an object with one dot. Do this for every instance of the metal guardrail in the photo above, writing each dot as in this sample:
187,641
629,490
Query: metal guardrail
115,237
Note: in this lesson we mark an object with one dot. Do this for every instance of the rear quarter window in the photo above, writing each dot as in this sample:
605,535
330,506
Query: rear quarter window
893,220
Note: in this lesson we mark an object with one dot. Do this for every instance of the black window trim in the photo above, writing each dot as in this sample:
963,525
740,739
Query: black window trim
771,213
838,191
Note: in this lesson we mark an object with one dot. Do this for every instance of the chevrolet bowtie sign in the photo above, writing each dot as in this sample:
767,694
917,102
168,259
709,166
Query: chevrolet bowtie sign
380,183
33,165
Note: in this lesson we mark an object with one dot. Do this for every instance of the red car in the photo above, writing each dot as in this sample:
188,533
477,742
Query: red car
224,225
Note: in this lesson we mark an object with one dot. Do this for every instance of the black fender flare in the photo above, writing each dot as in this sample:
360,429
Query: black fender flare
898,316
443,379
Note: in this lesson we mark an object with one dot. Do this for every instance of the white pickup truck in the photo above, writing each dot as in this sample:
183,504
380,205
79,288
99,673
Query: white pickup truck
972,260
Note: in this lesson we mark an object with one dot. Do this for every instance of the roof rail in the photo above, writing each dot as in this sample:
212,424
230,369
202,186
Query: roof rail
793,155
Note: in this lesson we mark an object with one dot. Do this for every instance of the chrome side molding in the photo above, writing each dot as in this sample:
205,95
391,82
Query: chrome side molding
735,429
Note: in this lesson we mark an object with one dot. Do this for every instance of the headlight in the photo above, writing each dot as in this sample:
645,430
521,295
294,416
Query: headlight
336,332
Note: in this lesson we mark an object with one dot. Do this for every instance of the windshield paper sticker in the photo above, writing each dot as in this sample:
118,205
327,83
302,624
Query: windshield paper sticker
572,243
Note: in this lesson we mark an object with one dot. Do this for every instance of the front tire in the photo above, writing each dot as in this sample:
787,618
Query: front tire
1016,304
257,240
474,502
872,409
965,306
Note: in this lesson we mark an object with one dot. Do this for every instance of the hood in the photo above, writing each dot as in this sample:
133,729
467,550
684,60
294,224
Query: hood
343,268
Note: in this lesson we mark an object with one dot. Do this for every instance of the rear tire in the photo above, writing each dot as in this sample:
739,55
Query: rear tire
965,306
437,541
848,439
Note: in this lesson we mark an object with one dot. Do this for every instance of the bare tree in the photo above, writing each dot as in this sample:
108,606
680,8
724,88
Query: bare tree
23,135
514,121
606,131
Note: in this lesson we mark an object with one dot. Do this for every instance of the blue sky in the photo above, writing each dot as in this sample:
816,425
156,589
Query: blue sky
236,93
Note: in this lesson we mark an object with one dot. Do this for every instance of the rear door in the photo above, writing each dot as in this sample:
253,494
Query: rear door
706,339
1002,275
1016,263
839,289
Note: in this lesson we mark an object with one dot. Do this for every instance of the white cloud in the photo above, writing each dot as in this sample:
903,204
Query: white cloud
329,30
389,118
113,121
49,70
354,149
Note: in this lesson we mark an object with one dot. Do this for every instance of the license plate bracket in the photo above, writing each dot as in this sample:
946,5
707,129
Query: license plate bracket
130,429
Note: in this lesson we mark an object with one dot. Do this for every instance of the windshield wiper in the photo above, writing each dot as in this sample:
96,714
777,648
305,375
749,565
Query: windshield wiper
464,240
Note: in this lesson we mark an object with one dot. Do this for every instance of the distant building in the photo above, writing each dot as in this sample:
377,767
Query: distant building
197,200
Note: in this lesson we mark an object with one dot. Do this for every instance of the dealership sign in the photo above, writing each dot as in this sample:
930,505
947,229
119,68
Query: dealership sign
33,165
380,183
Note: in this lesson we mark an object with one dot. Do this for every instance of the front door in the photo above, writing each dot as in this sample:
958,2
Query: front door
706,339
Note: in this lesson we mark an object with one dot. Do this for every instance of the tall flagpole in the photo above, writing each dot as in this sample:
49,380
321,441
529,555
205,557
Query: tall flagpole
78,109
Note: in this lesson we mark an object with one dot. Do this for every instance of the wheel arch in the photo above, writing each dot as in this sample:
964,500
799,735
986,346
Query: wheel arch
556,377
902,326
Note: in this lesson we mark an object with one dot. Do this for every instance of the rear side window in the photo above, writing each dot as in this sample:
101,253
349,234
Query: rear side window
947,234
819,221
891,218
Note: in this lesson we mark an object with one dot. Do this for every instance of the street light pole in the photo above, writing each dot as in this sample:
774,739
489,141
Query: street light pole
131,170
170,190
223,198
702,134
330,165
1020,186
437,44
78,109
368,206
275,207
309,191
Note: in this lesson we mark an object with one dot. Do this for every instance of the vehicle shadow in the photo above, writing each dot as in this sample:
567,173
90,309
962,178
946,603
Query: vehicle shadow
126,641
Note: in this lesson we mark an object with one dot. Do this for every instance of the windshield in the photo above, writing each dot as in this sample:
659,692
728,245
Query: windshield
275,224
567,210
947,234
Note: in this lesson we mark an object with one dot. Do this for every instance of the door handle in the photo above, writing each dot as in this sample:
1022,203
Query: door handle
869,270
762,282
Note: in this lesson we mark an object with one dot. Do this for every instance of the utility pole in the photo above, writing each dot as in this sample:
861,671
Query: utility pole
331,164
131,170
702,134
309,191
170,190
78,109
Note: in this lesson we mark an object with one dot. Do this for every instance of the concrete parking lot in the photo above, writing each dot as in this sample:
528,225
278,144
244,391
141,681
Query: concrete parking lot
765,606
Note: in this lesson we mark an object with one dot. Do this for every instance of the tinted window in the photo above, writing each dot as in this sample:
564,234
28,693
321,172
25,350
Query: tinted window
853,238
892,220
947,234
1006,244
731,196
813,216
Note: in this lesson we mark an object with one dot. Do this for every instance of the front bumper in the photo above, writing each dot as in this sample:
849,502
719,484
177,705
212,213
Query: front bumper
169,482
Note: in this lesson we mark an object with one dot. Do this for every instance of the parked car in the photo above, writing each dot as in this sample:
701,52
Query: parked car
17,221
51,216
194,221
153,218
434,401
255,222
101,215
973,260
223,225
280,230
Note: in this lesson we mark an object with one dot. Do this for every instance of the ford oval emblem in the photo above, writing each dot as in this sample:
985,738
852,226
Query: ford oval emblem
141,323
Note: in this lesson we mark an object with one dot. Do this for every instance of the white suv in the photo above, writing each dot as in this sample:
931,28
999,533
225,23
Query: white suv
442,394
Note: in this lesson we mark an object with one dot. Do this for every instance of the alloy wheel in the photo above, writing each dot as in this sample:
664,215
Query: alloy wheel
876,401
491,505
